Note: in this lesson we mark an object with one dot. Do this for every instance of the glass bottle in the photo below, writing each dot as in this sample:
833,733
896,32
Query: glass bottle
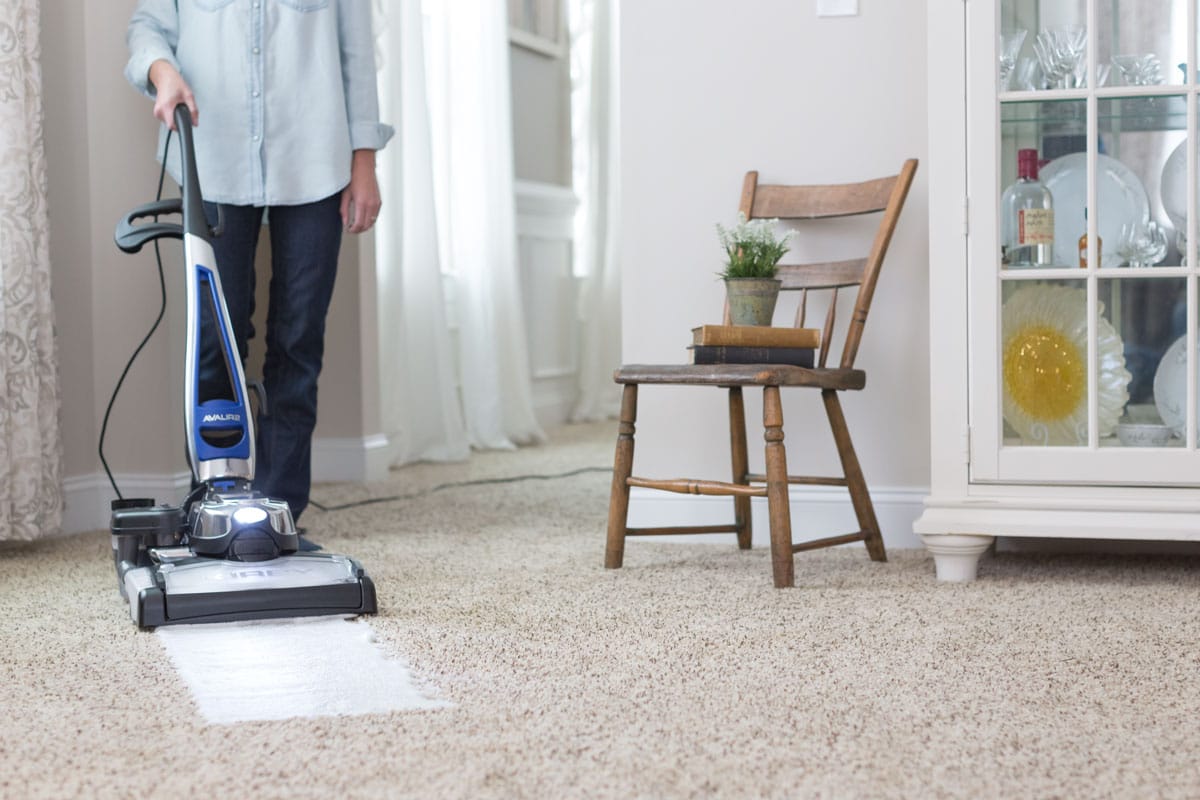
1027,217
1083,245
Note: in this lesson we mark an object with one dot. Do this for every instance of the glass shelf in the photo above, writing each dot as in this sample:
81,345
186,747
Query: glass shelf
1116,114
1075,273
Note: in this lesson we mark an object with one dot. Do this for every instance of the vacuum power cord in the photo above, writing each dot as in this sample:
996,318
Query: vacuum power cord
455,485
162,310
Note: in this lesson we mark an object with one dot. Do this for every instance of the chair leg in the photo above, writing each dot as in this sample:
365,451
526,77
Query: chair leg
859,496
618,504
741,465
777,490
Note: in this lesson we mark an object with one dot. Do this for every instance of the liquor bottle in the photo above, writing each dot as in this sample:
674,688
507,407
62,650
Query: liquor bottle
1083,245
1027,217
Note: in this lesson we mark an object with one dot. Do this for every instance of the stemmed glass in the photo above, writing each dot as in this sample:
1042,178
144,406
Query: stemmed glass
1139,70
1102,71
1142,244
1028,75
1060,52
1010,46
1074,47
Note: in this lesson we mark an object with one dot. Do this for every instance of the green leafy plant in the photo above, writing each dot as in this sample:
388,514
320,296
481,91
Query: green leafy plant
752,248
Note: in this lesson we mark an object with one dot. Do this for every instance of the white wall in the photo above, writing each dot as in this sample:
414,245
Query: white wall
710,92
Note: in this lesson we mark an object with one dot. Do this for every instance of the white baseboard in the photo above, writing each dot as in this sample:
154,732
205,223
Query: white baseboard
88,496
353,460
816,512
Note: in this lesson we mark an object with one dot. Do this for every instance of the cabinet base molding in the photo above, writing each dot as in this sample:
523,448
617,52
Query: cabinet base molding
957,532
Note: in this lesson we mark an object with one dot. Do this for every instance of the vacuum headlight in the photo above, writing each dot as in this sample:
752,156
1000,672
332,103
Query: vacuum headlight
249,515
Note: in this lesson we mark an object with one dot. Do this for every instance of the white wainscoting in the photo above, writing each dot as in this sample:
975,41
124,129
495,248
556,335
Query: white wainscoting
550,295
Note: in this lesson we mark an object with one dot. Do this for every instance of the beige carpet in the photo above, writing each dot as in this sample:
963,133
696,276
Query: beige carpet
682,675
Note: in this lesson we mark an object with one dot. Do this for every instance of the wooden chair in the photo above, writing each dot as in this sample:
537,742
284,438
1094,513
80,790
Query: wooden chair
885,195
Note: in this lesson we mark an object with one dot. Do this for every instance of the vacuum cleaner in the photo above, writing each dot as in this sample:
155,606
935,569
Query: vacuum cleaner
227,552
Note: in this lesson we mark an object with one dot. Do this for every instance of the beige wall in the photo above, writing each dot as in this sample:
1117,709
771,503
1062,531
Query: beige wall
63,61
104,301
767,85
100,150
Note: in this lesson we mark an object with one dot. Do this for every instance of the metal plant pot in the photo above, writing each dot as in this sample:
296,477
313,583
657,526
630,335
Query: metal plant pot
752,300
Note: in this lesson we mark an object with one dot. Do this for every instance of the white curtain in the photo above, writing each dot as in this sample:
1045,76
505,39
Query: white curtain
449,227
31,497
471,106
594,118
421,412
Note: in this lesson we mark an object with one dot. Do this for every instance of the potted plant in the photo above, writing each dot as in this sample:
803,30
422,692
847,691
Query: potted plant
753,252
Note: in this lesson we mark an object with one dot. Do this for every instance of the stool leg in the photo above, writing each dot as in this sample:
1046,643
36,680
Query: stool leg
859,496
741,465
777,490
618,503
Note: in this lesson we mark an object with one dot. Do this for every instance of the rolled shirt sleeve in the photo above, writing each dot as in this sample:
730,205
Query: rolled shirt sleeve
152,35
358,76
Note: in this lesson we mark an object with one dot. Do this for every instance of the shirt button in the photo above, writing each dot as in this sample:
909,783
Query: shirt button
256,51
256,137
255,93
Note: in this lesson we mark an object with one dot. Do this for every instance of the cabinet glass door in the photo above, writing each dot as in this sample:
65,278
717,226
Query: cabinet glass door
1081,241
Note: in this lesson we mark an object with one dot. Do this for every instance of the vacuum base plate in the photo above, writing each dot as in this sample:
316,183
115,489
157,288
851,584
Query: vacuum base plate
199,589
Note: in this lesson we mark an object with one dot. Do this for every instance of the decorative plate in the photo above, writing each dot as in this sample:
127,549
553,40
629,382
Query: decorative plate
1170,387
1045,367
1120,198
1172,187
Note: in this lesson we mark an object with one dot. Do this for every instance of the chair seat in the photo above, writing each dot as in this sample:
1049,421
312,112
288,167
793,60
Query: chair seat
742,375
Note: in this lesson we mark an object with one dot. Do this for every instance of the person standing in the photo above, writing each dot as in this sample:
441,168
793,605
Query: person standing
284,103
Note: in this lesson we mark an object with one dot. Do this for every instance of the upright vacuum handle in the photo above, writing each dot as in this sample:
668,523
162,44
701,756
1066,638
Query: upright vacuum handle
194,221
131,237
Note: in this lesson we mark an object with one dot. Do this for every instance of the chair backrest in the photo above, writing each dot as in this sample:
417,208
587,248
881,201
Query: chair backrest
884,195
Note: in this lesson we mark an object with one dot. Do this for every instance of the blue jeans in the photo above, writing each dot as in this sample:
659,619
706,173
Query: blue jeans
305,240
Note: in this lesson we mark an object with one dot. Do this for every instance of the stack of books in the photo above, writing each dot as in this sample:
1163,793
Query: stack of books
754,344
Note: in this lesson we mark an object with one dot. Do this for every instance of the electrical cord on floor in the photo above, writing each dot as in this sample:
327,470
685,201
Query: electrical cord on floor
455,485
162,310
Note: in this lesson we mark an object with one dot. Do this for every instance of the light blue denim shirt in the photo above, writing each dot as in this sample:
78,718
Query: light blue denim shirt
285,91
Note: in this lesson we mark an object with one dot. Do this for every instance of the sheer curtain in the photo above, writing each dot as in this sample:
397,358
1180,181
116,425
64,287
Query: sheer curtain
596,125
421,412
31,496
471,106
449,227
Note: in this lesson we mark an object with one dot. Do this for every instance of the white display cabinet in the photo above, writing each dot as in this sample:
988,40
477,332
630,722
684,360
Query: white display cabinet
1064,393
